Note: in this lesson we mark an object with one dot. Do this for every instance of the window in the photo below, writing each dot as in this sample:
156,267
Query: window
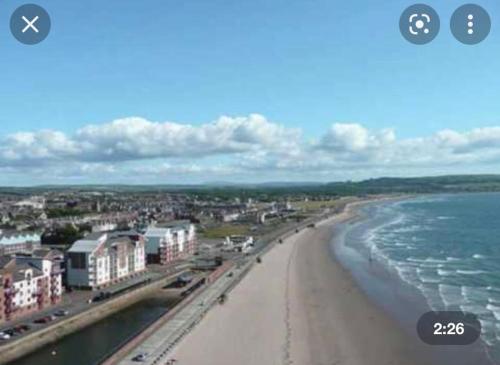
78,260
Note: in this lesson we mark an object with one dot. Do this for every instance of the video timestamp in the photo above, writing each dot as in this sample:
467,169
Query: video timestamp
448,328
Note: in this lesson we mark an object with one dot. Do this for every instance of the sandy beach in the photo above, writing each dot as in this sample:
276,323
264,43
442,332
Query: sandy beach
299,306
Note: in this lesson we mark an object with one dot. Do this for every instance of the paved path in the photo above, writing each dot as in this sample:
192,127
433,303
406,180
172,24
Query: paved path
162,341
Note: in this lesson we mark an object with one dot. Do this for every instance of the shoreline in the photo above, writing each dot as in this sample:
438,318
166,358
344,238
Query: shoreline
336,321
300,307
399,300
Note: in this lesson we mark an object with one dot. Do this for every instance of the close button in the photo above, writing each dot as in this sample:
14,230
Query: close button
30,24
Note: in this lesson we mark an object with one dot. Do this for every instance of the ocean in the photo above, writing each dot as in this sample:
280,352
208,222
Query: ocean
444,247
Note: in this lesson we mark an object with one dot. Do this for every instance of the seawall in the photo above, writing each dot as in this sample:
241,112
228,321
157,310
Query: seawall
22,346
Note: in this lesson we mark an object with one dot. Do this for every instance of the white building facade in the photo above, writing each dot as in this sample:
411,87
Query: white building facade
167,244
102,259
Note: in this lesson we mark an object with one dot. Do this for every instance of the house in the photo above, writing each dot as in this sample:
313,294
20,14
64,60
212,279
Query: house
12,242
103,258
103,226
172,242
29,283
239,243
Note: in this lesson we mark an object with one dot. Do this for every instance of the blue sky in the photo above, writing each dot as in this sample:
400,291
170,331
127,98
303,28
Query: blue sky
302,66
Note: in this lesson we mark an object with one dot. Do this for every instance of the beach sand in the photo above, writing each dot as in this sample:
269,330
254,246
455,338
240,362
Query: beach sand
299,306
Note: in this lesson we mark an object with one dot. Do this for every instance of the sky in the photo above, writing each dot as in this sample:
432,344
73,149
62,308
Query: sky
193,91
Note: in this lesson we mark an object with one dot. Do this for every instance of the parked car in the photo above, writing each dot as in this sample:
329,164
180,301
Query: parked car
21,328
10,332
4,336
141,357
101,296
45,319
61,313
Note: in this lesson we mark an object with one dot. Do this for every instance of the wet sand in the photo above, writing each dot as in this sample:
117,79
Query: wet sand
299,306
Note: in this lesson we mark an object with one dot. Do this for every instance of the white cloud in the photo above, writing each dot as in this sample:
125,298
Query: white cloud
250,147
354,137
135,138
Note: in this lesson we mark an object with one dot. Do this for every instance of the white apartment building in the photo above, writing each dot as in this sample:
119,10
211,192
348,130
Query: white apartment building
104,258
170,243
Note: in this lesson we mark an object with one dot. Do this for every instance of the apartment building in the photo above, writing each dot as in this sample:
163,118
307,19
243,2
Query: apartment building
171,242
12,242
29,283
104,258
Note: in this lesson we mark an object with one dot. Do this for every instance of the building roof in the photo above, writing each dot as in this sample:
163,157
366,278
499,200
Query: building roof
89,243
18,270
157,232
114,242
43,253
165,229
15,237
5,261
93,241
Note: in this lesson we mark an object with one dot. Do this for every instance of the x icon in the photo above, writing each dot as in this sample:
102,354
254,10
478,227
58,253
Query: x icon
30,24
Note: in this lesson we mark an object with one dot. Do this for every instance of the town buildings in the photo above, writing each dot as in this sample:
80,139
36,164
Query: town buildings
104,258
29,283
171,242
239,243
12,242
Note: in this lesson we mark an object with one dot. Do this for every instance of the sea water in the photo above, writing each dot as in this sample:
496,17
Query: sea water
445,246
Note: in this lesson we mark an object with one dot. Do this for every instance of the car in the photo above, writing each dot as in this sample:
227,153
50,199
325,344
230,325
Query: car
4,336
61,313
43,320
21,328
141,357
101,296
10,332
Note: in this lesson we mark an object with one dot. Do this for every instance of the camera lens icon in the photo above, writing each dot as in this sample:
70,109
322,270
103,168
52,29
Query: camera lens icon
419,24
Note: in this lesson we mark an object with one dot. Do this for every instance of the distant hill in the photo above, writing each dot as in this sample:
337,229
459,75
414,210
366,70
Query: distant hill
384,185
435,184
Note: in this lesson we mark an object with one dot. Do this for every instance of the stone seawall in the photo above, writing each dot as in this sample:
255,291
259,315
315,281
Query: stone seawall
20,347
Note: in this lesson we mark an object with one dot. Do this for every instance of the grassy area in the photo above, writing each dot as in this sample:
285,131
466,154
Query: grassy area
315,204
225,230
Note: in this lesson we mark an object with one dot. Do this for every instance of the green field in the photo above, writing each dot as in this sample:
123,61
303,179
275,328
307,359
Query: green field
225,230
312,205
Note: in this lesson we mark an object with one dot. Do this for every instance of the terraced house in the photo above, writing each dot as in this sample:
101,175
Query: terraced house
171,242
14,242
29,283
104,258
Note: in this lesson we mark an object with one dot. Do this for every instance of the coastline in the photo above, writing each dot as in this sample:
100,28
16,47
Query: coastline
335,321
400,301
300,306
